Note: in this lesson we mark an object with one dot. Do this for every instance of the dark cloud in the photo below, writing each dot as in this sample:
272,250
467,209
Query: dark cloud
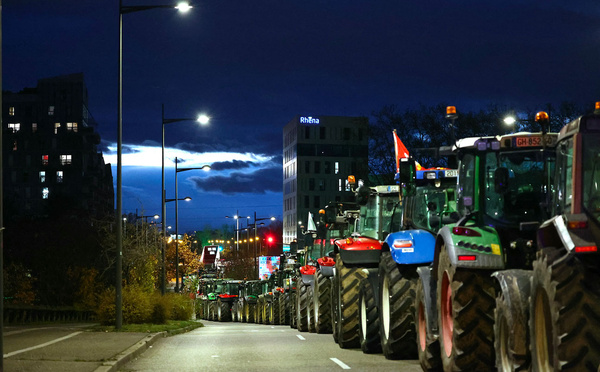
259,182
228,165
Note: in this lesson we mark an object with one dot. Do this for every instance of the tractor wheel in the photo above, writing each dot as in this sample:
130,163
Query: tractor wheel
259,311
267,306
466,299
334,308
250,312
284,312
310,309
428,345
396,310
292,302
223,311
565,312
510,337
349,279
275,310
212,312
369,319
302,308
322,303
234,312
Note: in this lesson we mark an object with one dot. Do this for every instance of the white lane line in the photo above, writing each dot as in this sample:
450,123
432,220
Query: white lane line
340,363
300,337
41,345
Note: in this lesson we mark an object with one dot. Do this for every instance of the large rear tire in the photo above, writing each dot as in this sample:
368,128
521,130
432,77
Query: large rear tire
565,312
275,310
335,314
369,319
322,303
510,337
349,279
428,346
292,300
396,310
223,311
259,310
310,309
250,312
284,312
267,311
466,301
302,308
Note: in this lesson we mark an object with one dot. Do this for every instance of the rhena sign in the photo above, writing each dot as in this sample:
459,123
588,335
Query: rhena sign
308,120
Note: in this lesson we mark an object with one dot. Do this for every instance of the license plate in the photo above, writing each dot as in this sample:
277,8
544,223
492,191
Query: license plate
528,141
452,173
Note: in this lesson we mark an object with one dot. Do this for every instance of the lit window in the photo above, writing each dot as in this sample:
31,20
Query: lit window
33,127
11,111
50,110
15,145
72,127
44,159
56,126
65,159
59,176
43,176
337,167
340,184
15,127
45,193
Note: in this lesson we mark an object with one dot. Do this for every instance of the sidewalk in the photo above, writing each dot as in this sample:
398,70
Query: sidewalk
72,348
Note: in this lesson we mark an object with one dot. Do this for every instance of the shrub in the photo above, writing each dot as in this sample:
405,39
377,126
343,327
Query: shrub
105,313
181,306
136,305
160,309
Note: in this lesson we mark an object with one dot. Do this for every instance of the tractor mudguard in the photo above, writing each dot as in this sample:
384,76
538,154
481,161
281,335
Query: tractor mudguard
429,290
516,288
411,246
475,252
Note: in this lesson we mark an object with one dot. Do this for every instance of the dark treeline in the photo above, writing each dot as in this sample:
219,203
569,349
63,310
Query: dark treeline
426,127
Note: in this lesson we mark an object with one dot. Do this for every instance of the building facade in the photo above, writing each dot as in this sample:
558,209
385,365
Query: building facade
51,155
319,153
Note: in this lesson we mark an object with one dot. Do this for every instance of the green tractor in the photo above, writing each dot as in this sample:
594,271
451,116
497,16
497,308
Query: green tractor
501,198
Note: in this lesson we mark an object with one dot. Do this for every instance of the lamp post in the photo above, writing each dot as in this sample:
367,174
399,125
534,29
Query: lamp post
237,229
255,236
182,7
177,170
202,119
176,200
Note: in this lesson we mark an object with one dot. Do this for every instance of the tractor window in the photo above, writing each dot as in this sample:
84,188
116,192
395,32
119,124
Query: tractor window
563,196
591,174
466,191
514,185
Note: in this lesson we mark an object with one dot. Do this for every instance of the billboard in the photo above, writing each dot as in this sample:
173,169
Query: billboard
266,266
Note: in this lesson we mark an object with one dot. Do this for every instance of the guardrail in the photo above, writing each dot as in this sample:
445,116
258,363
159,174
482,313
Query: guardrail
30,314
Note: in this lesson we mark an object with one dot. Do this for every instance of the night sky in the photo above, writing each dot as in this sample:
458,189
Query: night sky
253,65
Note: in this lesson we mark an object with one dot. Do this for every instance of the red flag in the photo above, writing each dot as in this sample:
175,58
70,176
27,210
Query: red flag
401,151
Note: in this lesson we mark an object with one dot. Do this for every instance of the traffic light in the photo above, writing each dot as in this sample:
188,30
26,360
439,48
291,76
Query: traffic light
270,239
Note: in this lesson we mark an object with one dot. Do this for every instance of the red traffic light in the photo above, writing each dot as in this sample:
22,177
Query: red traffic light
270,239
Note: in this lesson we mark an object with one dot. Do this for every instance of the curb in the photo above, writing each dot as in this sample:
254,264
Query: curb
124,357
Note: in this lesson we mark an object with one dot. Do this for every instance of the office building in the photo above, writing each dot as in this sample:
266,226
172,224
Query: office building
52,163
319,153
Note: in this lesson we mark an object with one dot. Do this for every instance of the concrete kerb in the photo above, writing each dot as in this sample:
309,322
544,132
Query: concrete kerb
121,359
134,351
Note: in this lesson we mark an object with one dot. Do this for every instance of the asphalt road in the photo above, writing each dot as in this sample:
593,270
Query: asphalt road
253,347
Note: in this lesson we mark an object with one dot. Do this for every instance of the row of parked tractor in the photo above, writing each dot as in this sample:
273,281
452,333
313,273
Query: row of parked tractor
489,263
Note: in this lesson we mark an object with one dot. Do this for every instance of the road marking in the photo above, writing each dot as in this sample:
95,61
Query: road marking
300,337
41,345
340,363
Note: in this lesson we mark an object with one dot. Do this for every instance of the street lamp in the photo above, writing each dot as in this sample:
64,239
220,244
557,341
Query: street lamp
177,170
237,229
255,235
202,119
183,7
176,200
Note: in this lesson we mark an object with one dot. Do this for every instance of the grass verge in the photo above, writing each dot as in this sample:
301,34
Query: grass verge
171,326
